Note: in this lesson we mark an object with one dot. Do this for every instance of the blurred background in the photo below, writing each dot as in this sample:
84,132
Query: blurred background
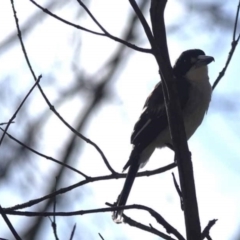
91,81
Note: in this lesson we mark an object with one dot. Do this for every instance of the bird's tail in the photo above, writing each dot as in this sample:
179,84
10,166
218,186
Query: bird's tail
122,198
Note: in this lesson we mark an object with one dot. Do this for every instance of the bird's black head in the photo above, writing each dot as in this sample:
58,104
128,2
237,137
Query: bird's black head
188,59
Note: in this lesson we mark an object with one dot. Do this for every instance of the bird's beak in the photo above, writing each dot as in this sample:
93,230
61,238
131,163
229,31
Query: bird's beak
203,60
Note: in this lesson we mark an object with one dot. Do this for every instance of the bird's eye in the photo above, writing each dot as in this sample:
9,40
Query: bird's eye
193,60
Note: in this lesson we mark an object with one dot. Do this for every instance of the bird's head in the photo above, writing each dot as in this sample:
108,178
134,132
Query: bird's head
192,64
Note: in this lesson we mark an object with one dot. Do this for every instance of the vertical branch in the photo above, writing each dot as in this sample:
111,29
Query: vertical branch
158,43
192,222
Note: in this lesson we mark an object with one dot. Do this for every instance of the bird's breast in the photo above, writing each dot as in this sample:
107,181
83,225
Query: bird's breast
196,106
193,114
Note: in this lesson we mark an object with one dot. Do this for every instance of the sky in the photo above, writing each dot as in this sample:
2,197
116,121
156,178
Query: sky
215,145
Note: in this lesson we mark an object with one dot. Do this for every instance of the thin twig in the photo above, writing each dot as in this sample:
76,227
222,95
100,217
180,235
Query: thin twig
206,230
150,229
230,54
21,41
92,17
54,222
73,231
100,236
157,171
101,210
143,22
10,226
87,140
48,102
18,109
90,180
62,214
45,156
169,228
65,21
54,227
236,22
105,34
233,47
178,191
5,123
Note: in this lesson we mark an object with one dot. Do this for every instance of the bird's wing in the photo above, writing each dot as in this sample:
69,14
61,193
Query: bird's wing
151,123
153,119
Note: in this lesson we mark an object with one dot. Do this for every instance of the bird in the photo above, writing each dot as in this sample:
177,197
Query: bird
151,131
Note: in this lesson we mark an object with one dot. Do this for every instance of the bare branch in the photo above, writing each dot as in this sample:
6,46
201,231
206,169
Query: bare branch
73,231
156,171
5,123
87,140
230,54
45,156
65,21
143,22
18,109
157,216
54,227
143,227
21,41
90,180
105,34
48,102
178,191
10,226
206,230
176,124
233,47
236,22
100,236
63,214
169,228
54,222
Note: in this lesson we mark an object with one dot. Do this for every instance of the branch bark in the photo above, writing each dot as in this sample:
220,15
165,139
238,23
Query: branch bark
158,43
183,156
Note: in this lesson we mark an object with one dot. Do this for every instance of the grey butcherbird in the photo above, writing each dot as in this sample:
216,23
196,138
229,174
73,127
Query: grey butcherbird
151,131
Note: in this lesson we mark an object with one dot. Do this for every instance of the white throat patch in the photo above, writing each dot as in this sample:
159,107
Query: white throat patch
199,74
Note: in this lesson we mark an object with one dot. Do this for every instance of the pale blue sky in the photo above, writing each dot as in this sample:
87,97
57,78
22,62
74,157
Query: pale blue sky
215,146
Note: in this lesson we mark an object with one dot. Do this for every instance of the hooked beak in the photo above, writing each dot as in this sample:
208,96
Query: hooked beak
203,60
